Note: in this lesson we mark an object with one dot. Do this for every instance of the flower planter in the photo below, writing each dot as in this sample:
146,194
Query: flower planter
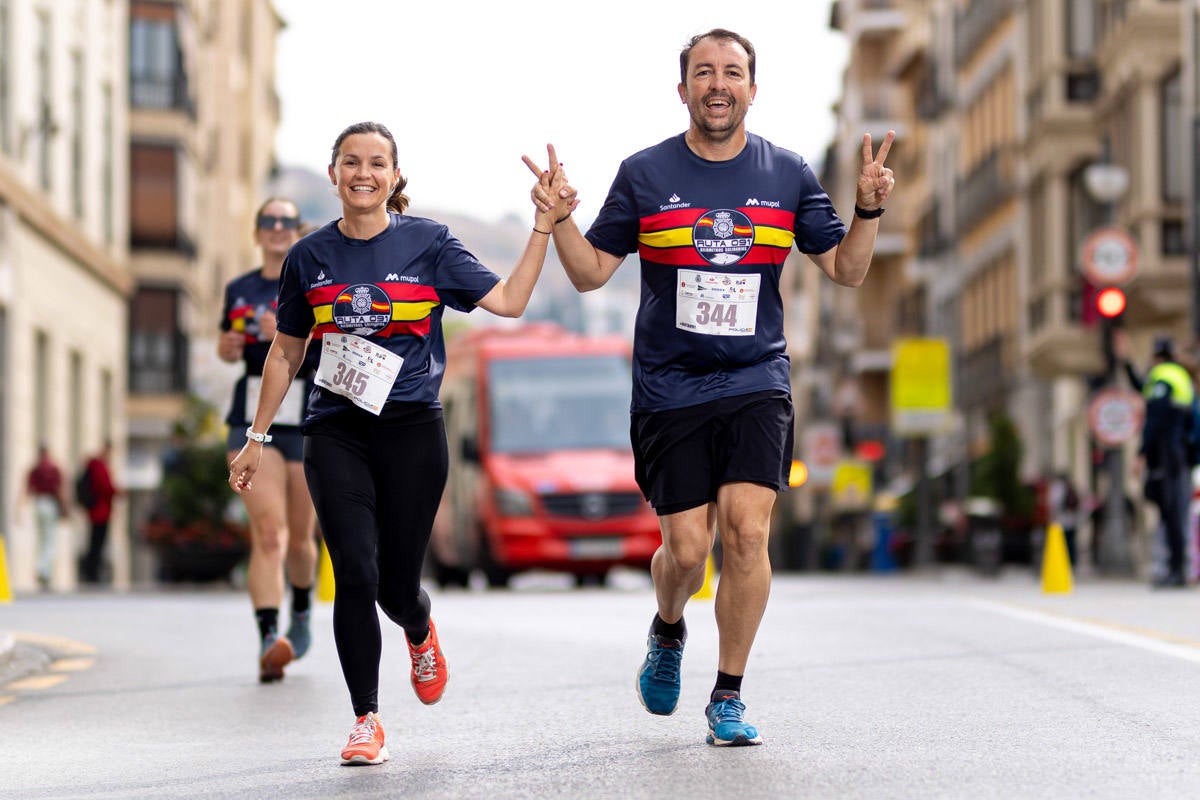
198,562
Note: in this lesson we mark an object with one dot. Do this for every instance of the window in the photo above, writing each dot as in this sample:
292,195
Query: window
41,386
5,56
106,405
153,191
45,123
77,110
75,432
1173,128
107,136
155,61
1081,28
157,345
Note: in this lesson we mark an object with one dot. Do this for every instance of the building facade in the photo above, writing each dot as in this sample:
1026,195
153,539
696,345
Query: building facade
202,118
1004,105
136,137
64,277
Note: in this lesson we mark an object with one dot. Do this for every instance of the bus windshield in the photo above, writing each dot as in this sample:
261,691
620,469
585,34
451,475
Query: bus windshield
540,405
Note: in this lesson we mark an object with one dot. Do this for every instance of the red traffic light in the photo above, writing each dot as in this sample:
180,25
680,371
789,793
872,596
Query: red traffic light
1110,302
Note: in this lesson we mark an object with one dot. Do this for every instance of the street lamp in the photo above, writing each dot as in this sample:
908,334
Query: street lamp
1107,183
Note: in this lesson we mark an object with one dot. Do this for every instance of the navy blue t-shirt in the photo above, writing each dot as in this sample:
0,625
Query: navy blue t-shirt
247,298
404,277
712,237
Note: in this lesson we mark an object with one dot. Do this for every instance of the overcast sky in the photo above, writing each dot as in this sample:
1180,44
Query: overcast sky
467,87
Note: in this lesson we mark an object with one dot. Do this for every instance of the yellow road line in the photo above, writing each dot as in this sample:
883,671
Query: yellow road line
72,664
66,647
36,682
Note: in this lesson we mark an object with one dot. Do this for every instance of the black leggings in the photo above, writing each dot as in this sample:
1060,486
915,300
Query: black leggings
376,484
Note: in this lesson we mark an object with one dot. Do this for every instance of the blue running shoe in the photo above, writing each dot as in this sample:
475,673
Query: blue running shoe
658,677
298,632
726,728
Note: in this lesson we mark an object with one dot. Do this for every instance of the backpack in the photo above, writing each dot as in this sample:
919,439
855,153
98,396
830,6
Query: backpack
85,495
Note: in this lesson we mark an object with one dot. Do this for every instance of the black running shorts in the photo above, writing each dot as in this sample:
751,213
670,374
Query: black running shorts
683,456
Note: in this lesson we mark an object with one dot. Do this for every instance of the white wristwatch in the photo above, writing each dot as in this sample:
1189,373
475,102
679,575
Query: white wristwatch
261,438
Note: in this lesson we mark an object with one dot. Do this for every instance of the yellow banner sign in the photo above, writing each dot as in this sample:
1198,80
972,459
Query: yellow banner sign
920,386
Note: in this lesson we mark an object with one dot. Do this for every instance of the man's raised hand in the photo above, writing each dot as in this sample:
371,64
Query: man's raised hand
875,181
552,193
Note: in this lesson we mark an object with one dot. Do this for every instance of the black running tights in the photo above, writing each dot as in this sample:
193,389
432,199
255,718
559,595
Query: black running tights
376,484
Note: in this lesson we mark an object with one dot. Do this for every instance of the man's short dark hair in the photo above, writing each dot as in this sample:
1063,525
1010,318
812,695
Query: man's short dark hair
719,34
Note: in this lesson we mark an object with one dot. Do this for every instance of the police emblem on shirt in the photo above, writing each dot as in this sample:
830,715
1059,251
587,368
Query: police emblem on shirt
723,236
362,309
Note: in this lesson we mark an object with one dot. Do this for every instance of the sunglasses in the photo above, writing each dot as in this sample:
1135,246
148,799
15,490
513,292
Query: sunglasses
268,222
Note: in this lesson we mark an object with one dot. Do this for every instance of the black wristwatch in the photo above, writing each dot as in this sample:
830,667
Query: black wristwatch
863,213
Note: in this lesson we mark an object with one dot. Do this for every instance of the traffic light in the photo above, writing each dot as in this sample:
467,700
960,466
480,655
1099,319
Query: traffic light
1110,302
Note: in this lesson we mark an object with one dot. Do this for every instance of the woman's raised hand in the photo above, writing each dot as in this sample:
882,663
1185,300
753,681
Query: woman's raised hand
552,195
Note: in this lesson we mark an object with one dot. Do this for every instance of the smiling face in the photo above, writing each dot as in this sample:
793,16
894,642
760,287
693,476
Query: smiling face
718,89
363,172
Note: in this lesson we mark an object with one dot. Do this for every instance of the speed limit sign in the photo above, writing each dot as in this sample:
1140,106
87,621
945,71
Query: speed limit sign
1115,416
1110,257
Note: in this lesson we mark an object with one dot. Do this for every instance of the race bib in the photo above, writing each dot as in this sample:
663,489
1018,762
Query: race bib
716,303
291,410
358,370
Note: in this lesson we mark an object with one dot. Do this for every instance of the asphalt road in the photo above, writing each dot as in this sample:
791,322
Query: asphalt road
935,686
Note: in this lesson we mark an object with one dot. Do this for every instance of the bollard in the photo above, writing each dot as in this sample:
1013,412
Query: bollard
5,586
1056,563
706,589
325,584
882,559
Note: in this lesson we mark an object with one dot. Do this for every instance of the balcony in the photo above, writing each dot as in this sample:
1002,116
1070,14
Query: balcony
983,377
881,109
168,93
866,18
975,24
991,183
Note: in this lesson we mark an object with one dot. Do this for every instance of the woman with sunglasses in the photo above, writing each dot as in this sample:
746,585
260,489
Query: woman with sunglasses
376,283
280,509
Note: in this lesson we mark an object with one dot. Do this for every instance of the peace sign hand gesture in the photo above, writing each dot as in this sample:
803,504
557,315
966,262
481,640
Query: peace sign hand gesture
875,182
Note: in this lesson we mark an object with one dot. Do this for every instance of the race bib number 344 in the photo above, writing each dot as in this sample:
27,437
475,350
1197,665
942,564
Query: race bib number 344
358,370
716,303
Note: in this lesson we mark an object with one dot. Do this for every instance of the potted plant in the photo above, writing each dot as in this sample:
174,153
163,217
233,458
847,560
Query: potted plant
194,527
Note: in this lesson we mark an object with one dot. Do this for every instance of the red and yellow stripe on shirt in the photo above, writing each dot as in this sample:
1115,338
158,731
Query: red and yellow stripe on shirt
667,238
411,307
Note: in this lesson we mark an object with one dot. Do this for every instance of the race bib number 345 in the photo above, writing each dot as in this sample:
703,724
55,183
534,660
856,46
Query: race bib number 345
358,370
716,303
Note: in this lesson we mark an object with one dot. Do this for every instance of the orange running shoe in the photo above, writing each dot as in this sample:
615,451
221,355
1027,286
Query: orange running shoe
276,653
366,742
429,671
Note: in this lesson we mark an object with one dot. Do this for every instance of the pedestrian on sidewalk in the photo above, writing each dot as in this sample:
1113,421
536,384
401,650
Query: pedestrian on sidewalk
375,284
713,213
44,488
280,511
104,491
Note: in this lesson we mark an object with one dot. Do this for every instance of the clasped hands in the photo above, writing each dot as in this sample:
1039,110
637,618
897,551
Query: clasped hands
552,196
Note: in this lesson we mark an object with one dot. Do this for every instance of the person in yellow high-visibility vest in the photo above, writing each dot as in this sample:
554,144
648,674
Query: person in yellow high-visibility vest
1163,455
